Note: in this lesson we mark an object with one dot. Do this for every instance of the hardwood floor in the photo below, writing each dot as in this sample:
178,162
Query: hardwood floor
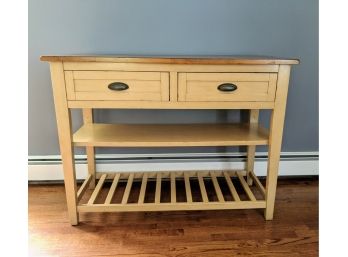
293,232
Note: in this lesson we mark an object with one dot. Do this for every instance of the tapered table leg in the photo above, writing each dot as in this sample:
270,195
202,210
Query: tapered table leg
275,140
65,139
88,118
253,119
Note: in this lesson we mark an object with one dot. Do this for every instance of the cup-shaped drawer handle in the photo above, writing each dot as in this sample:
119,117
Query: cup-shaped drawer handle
118,86
227,87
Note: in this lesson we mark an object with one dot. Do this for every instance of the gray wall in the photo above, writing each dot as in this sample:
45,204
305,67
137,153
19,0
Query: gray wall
286,28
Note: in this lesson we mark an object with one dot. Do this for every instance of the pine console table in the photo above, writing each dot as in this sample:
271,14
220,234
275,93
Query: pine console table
250,83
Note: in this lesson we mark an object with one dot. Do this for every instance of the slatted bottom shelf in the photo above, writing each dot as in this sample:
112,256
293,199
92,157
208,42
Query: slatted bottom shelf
170,191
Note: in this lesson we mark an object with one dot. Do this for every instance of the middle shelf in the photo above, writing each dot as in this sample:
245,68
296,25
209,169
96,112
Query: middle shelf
170,135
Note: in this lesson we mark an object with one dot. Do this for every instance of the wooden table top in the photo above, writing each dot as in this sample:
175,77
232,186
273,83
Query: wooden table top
224,60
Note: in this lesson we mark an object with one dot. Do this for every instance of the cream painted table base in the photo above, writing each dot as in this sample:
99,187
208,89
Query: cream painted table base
91,82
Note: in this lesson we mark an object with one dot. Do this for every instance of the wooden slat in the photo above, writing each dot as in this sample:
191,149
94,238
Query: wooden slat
158,188
172,188
128,188
258,183
106,96
171,207
112,189
116,75
143,188
202,187
217,188
246,187
83,187
227,76
231,187
97,189
188,188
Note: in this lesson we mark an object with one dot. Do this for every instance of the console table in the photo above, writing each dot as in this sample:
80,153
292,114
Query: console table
90,82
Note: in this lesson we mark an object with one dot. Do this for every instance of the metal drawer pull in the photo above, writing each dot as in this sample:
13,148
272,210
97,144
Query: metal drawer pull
227,87
118,86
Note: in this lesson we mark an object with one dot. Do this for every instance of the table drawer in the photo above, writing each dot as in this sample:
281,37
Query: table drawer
117,85
226,87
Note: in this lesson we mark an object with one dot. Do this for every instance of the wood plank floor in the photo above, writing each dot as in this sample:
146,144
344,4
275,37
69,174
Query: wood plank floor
293,232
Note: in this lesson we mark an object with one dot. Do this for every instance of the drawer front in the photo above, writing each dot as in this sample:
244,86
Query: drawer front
206,87
131,86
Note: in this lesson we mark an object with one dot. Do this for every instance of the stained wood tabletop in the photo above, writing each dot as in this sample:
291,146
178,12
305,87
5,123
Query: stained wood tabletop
252,60
293,232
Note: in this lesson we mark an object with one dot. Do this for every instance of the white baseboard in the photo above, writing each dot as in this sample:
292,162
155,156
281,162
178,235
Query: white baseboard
49,168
